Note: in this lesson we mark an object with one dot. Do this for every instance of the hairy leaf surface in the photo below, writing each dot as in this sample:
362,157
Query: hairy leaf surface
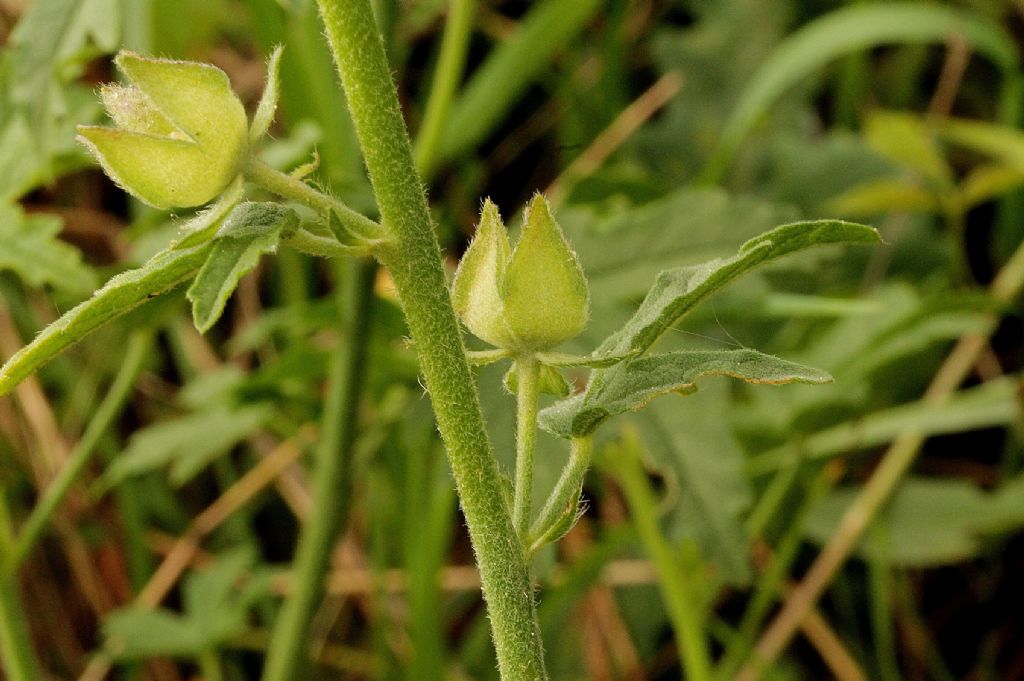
677,291
121,294
251,230
631,386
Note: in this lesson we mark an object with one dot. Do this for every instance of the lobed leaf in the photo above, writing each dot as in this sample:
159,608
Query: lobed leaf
632,385
121,294
187,444
29,246
251,230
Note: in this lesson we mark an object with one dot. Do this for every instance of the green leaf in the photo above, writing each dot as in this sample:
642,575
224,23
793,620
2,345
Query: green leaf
848,30
52,36
251,230
705,492
121,294
995,403
622,252
188,444
927,522
997,141
876,197
20,162
212,599
909,141
986,182
631,386
267,107
594,361
215,612
677,291
29,246
135,634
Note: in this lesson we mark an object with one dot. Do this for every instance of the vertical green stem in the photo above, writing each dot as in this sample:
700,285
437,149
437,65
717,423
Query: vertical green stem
416,269
110,407
527,394
769,582
16,652
331,494
450,64
684,607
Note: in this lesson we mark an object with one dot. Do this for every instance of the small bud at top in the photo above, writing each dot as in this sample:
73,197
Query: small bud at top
528,299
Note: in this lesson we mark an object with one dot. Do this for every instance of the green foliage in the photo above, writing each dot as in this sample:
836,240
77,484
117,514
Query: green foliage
630,385
29,246
509,69
215,612
677,291
691,522
848,30
47,48
929,521
118,296
187,444
249,231
638,381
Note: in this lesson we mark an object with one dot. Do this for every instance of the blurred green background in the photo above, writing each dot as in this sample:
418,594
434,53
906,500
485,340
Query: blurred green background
665,133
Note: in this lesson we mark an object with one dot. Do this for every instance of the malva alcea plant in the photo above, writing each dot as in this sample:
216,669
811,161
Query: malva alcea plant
181,138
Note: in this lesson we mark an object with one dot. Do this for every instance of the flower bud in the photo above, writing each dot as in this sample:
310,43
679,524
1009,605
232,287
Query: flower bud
181,133
528,299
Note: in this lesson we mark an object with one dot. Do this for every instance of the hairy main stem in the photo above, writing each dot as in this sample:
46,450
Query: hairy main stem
414,261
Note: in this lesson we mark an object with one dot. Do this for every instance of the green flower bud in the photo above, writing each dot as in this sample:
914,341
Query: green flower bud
181,133
528,299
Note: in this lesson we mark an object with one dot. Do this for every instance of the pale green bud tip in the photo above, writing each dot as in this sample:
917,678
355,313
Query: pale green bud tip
181,132
530,299
475,289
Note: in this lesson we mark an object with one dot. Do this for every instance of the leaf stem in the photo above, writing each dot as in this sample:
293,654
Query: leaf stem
331,482
450,64
110,407
282,184
416,269
565,492
527,370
